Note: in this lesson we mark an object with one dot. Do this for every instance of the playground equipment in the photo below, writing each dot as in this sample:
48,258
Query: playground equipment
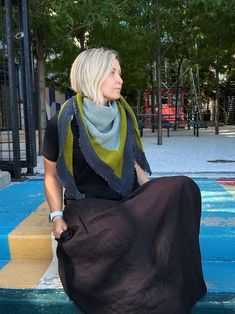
180,106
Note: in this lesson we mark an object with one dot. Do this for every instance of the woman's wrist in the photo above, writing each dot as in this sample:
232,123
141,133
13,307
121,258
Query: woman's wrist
55,214
56,218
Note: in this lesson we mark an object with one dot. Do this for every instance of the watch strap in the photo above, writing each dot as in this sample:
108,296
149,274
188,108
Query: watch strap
57,213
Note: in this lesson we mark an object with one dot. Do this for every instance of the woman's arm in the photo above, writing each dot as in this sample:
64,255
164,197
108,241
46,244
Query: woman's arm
141,176
54,195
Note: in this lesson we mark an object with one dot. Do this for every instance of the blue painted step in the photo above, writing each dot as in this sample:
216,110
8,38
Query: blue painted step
217,236
215,197
4,247
56,302
219,276
17,201
218,247
3,263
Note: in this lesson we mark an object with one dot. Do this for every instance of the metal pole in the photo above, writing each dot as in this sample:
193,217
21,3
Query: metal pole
158,38
27,66
12,91
154,98
198,85
199,93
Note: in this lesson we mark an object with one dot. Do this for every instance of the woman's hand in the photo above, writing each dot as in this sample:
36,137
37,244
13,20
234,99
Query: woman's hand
142,178
59,225
54,196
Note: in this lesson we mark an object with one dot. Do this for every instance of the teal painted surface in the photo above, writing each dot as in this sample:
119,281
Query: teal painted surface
216,303
3,263
219,276
30,301
26,301
17,201
217,234
215,197
217,248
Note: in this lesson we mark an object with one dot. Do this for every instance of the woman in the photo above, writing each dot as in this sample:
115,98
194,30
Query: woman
126,244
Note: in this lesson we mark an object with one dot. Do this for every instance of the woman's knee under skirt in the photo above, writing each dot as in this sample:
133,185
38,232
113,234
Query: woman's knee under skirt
138,255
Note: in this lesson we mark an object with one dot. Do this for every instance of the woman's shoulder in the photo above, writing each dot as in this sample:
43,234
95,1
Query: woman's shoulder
50,142
52,124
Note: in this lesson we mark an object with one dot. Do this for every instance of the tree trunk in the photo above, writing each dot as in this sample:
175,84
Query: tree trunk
82,39
177,90
41,98
217,85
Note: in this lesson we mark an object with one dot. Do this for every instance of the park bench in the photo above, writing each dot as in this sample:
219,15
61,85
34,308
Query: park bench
169,122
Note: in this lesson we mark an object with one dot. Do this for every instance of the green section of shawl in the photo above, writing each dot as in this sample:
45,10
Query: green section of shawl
68,149
113,158
68,146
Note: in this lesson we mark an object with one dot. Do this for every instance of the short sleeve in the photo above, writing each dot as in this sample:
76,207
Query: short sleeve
50,148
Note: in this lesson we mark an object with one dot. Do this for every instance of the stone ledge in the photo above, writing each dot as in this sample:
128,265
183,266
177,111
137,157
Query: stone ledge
31,239
5,178
23,274
55,301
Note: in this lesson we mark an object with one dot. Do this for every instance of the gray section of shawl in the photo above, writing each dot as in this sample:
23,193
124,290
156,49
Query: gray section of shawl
103,123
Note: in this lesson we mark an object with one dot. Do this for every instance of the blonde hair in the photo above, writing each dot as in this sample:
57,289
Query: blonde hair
89,70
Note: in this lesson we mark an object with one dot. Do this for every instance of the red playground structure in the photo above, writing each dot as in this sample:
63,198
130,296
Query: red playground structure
171,112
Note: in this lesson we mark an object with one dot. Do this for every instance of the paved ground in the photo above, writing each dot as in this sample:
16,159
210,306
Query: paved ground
184,153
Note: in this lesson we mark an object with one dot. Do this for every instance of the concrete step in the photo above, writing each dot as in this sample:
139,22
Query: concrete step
55,301
31,239
51,301
23,274
217,236
216,303
219,276
5,178
17,201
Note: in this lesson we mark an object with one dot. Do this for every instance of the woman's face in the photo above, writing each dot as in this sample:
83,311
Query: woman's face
111,87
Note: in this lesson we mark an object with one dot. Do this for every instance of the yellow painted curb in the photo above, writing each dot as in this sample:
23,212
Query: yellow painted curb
31,239
23,274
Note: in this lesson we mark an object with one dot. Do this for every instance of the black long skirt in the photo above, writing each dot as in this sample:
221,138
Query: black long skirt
138,255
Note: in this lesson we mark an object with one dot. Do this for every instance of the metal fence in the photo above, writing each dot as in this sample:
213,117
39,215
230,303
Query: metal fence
17,125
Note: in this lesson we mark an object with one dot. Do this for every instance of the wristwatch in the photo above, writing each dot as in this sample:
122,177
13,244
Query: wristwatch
57,213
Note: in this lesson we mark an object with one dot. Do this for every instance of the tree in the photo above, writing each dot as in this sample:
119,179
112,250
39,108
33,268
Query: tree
60,30
48,20
216,44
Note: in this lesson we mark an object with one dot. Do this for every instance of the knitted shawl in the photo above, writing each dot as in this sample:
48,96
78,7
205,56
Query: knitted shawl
116,167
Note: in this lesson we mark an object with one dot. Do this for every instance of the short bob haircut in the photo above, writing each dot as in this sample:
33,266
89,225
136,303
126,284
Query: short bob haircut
89,71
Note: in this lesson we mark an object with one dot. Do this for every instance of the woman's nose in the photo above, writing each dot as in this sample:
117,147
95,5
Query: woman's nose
119,78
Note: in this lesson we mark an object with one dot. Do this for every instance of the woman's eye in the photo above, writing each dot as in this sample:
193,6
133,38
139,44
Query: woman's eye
113,72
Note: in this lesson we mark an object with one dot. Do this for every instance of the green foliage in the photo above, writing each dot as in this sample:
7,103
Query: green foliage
189,36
